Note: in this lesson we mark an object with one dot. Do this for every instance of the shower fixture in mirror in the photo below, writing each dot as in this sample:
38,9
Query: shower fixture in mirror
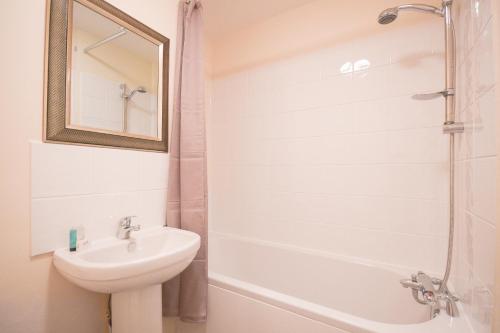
106,78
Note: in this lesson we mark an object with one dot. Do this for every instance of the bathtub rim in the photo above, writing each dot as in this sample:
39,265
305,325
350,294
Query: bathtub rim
338,319
345,321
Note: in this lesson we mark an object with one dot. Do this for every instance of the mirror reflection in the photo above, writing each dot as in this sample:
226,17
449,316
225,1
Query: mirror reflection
115,77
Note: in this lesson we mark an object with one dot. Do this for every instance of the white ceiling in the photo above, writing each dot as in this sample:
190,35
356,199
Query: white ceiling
225,16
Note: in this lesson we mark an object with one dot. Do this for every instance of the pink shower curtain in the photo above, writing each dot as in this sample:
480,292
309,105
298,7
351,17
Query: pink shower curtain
186,295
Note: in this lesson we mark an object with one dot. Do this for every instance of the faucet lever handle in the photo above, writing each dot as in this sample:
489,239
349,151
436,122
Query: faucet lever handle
126,222
409,283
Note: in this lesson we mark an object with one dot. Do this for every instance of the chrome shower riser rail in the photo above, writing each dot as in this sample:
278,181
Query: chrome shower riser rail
450,58
450,127
451,231
430,295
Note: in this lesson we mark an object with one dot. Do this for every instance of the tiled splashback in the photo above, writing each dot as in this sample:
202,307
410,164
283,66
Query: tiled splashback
92,187
474,253
328,151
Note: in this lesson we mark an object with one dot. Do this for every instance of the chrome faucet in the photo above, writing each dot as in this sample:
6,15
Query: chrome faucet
125,227
423,284
424,292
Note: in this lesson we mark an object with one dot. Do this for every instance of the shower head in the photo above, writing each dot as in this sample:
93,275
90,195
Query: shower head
139,89
389,15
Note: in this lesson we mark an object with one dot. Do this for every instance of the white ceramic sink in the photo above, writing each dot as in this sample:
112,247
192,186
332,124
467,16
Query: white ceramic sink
132,271
113,265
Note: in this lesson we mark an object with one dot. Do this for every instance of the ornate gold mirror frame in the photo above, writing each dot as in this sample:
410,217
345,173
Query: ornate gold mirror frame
58,79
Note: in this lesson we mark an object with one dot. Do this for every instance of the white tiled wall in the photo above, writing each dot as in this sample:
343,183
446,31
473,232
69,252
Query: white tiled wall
143,115
473,269
98,103
92,187
327,150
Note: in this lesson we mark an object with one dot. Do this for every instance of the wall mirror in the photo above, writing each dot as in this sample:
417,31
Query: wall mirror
106,78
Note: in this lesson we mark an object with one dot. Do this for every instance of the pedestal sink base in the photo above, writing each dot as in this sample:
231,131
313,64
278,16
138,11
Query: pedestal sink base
137,311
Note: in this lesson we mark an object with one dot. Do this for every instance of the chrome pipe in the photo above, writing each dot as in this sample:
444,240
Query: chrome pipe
444,282
417,7
450,57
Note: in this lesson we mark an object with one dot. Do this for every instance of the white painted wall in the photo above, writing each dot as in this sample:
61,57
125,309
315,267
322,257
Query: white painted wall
34,297
476,161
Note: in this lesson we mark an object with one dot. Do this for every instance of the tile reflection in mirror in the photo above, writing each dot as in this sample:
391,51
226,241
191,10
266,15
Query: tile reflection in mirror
114,76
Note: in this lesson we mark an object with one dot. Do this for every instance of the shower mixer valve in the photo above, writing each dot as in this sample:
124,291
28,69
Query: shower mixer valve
429,291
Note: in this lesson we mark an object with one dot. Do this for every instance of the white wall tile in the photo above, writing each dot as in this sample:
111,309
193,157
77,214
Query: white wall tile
481,14
397,113
483,60
304,154
153,207
483,189
58,170
153,171
481,310
95,188
52,219
483,243
484,134
115,170
473,265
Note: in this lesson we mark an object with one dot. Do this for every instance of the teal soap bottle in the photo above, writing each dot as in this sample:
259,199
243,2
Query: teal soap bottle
72,240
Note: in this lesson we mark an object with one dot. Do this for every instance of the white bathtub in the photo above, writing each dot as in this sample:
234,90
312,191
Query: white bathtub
256,287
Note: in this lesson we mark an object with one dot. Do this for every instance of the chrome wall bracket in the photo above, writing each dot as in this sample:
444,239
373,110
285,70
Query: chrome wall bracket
428,96
450,128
